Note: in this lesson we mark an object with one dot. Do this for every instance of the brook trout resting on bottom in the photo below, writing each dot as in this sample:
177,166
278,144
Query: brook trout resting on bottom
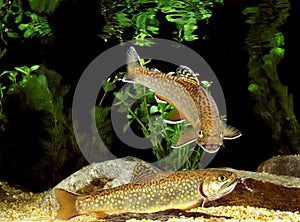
177,190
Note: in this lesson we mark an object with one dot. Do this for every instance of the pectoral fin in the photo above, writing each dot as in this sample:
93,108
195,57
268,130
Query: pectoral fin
174,117
231,133
159,98
187,136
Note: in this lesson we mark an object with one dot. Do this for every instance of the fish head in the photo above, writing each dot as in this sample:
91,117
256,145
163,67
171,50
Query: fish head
210,135
216,184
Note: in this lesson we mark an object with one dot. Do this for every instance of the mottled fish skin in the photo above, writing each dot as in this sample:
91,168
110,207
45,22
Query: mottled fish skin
177,190
191,100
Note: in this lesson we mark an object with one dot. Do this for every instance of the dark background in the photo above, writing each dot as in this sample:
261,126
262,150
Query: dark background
77,25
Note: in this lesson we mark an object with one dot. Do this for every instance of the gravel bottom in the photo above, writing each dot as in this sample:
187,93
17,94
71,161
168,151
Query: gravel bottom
16,205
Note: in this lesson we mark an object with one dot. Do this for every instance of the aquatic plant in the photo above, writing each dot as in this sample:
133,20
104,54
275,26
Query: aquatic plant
44,6
145,18
38,90
145,117
22,22
272,101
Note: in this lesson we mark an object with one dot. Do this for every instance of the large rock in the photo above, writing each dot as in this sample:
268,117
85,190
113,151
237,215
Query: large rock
281,165
103,175
253,189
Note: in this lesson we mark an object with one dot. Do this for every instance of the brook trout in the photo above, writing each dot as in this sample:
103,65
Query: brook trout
190,100
176,190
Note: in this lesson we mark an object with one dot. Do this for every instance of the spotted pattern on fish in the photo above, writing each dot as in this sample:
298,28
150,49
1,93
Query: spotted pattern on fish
176,190
192,101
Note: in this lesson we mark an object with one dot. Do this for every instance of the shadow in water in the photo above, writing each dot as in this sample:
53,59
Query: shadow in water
161,215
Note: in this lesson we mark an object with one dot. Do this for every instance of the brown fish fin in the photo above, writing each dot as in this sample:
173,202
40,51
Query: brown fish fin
160,99
133,61
101,214
198,204
143,170
187,74
231,133
66,201
174,117
187,136
152,178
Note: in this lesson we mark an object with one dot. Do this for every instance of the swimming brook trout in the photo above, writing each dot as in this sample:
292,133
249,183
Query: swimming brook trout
190,100
163,191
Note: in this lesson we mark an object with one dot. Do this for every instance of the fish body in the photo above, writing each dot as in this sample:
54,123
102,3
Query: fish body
190,100
176,190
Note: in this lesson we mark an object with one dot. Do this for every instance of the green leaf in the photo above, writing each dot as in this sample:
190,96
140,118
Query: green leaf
126,126
141,21
18,18
28,33
2,52
13,76
122,19
3,118
249,10
253,87
190,37
108,86
22,27
153,29
153,109
42,80
23,69
12,34
35,67
250,21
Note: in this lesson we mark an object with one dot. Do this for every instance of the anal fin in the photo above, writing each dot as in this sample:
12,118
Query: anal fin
101,215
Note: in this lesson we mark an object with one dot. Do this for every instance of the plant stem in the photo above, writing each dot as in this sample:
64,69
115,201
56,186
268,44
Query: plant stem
137,119
100,103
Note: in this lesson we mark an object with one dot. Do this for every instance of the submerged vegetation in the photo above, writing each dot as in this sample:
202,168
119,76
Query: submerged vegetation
37,92
18,21
146,116
144,17
37,141
272,101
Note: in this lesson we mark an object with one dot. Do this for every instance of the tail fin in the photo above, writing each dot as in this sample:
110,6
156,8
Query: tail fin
133,61
66,202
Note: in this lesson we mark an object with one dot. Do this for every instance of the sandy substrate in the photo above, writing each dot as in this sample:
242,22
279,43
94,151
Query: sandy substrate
16,205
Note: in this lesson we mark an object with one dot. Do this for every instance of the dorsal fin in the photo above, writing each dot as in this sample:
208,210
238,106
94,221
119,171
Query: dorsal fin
152,178
143,170
186,73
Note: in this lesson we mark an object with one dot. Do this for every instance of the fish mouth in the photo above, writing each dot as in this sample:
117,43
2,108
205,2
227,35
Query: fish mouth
210,148
229,187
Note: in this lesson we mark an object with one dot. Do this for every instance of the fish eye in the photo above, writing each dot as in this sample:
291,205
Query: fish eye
200,133
222,178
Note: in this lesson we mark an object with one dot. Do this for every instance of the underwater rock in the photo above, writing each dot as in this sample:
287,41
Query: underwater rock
254,189
281,165
97,176
271,191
